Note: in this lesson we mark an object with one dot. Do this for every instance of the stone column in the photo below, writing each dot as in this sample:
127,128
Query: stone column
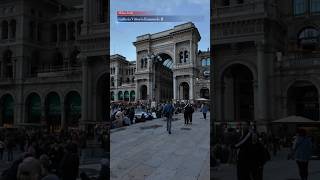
58,33
174,88
9,30
67,31
191,89
137,93
262,82
84,110
255,99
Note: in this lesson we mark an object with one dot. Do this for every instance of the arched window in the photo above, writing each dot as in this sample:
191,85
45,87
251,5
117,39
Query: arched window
299,7
74,57
120,82
112,81
39,32
79,24
225,2
13,26
4,29
32,27
180,57
34,63
103,10
186,56
315,6
120,95
8,64
308,38
112,96
142,63
145,62
54,33
132,80
72,31
58,60
62,32
128,80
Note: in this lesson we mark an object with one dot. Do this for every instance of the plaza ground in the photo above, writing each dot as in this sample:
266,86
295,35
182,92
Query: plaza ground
279,168
145,151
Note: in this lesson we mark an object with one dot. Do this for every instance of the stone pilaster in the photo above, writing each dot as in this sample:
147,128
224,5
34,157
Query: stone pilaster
262,84
84,110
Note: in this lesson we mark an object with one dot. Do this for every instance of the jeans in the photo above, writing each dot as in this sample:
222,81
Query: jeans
169,121
205,115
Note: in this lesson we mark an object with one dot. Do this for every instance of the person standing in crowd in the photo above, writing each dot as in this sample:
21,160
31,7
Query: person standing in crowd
185,115
168,112
2,146
131,114
119,118
10,146
302,148
204,110
188,110
69,167
243,168
29,169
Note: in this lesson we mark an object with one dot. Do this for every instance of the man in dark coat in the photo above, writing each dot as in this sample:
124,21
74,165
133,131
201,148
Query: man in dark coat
69,166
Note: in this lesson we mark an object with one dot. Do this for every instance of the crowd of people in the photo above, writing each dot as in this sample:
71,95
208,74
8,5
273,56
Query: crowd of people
123,114
46,156
251,150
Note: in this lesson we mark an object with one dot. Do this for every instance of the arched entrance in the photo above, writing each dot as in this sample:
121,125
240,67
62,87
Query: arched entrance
102,100
112,96
53,111
73,108
120,95
237,94
33,109
163,77
132,96
144,92
303,100
184,91
126,96
204,93
7,111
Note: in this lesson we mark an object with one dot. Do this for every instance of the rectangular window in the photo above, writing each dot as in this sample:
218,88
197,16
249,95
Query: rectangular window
315,6
299,7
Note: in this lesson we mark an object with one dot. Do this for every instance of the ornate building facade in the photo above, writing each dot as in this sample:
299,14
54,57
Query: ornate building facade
53,62
266,60
168,67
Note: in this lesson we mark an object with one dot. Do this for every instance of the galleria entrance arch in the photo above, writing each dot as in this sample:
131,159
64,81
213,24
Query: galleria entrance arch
165,60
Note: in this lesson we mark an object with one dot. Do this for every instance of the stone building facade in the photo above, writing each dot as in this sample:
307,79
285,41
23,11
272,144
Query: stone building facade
266,56
53,62
168,67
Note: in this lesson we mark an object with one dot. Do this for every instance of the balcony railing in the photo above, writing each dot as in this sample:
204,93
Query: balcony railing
301,60
61,68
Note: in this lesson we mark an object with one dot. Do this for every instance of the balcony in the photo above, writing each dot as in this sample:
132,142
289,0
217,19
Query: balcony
57,71
249,8
300,60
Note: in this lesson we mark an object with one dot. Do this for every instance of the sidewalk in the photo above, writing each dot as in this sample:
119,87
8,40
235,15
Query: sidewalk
147,151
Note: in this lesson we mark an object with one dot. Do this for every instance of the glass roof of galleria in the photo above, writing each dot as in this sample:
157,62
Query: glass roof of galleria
168,63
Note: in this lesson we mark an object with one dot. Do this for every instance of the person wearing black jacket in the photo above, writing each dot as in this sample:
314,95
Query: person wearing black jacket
251,157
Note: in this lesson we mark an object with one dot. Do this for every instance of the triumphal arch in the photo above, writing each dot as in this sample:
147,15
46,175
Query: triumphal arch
166,65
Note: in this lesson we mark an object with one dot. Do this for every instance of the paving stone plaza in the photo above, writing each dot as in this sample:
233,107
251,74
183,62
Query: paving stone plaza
147,151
